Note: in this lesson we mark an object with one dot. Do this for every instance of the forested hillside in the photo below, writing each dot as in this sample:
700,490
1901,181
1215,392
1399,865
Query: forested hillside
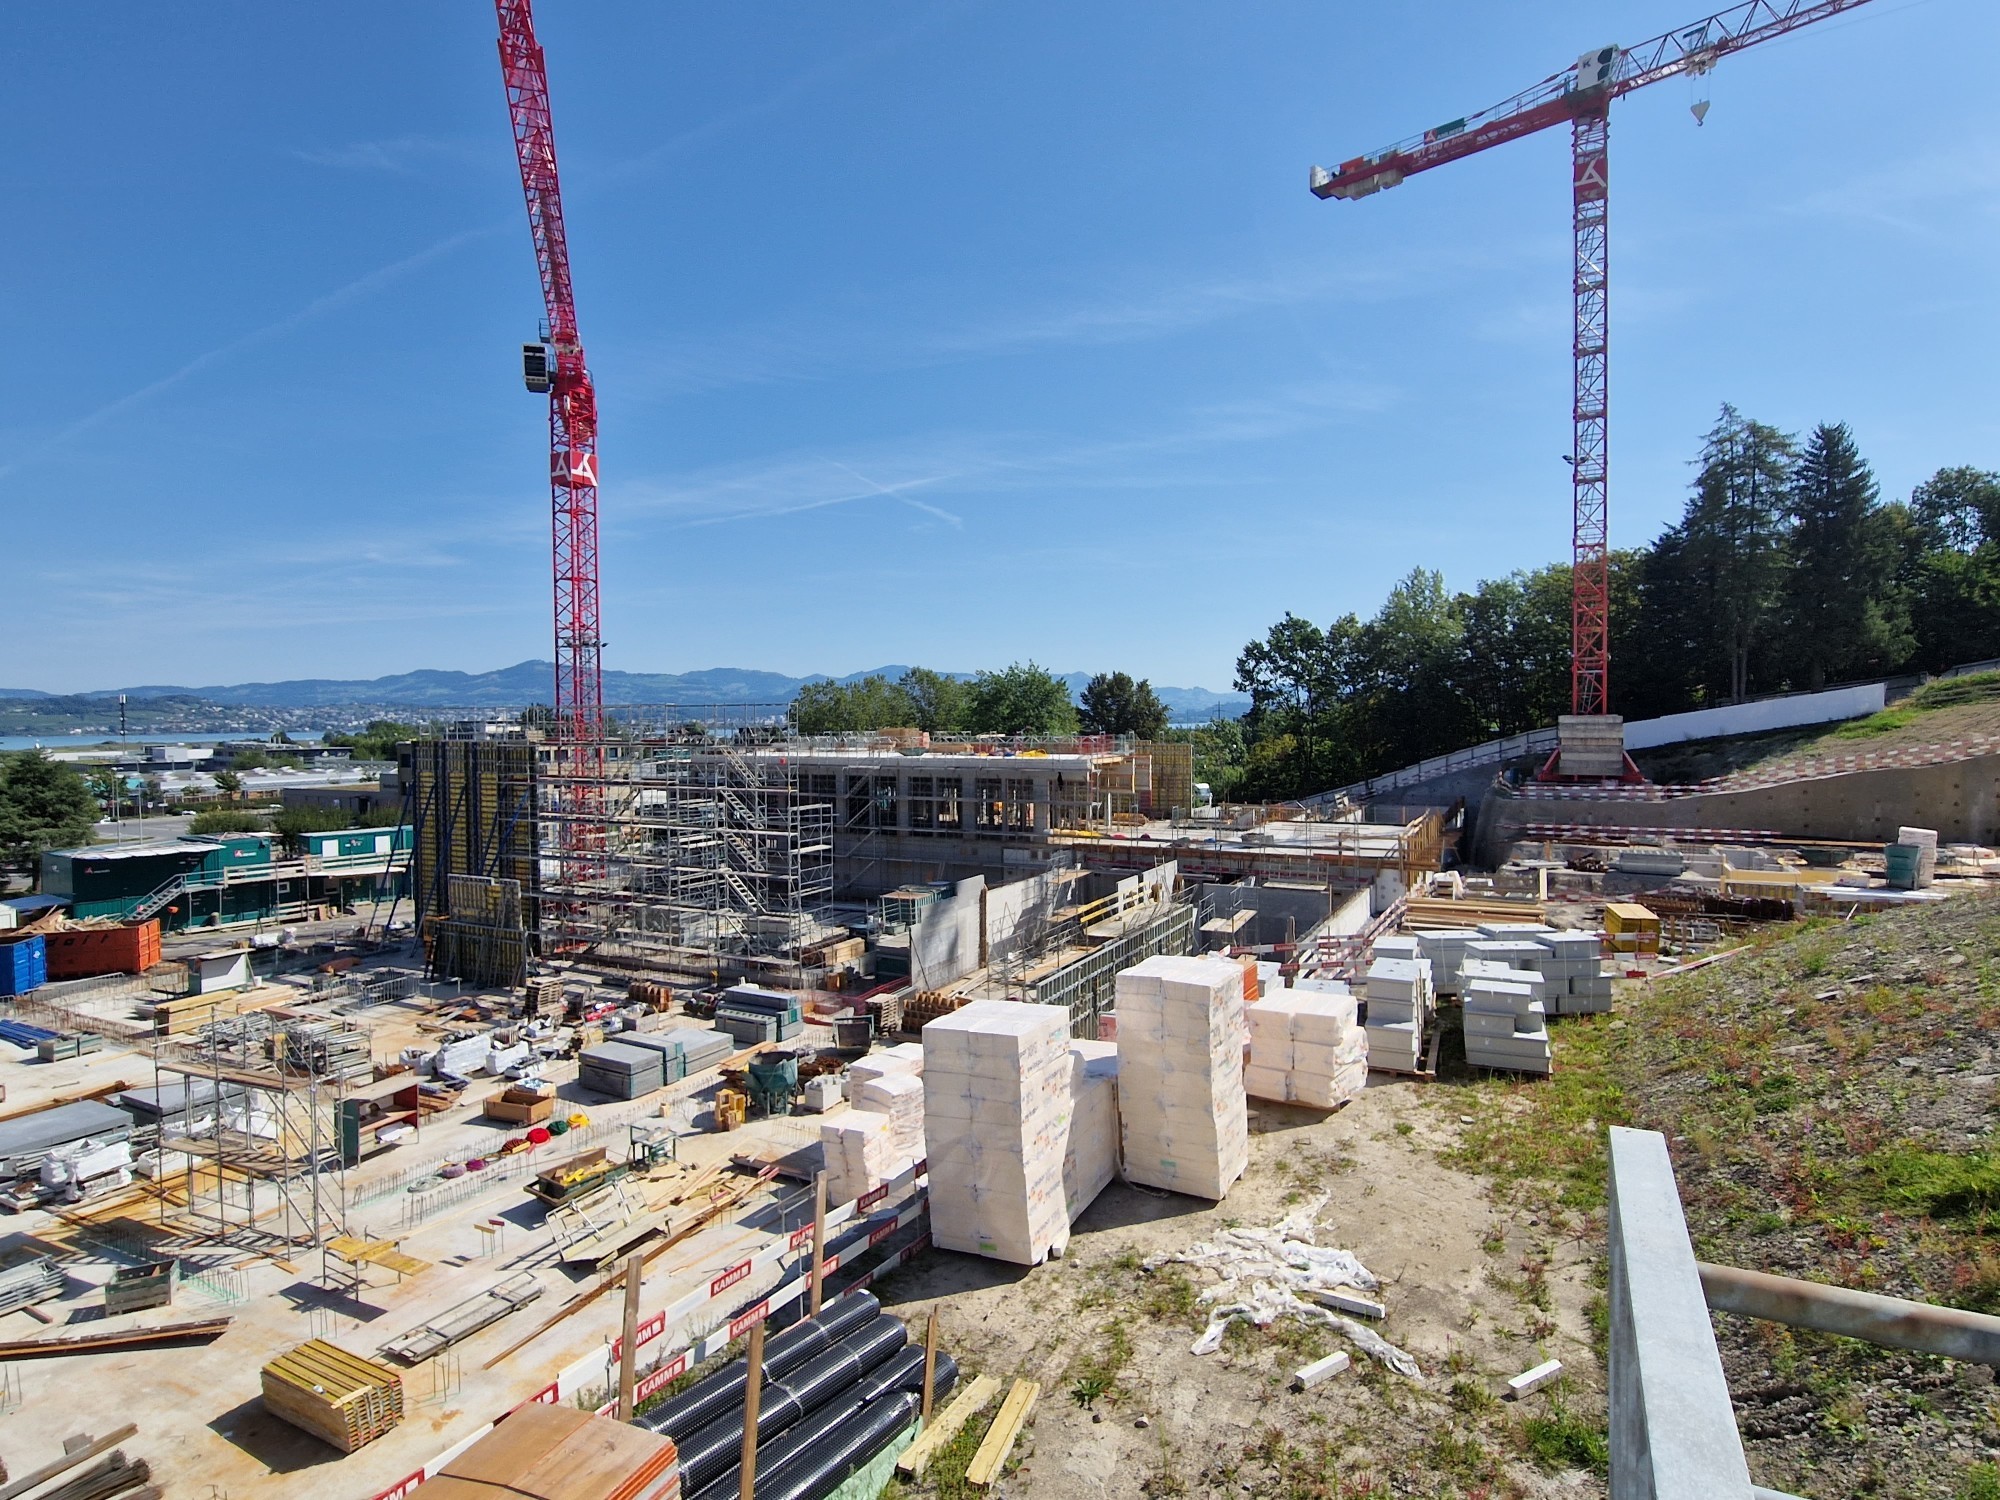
1787,571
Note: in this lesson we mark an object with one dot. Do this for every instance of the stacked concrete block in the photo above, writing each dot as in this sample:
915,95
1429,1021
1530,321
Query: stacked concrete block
1445,949
1181,1109
1505,1026
860,1152
1574,973
1400,1004
997,1078
1490,968
1090,1159
1397,947
1515,952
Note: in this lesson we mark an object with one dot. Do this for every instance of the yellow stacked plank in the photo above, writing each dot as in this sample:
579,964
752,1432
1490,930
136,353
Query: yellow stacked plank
999,1441
945,1426
185,1013
1631,928
1431,912
340,1398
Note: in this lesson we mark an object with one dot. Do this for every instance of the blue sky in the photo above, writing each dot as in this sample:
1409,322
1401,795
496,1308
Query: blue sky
948,333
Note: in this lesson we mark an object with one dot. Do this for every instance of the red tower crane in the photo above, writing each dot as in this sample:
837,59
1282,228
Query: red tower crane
1580,96
556,366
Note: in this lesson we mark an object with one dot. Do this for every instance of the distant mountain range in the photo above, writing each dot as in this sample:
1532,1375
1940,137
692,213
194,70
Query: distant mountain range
530,682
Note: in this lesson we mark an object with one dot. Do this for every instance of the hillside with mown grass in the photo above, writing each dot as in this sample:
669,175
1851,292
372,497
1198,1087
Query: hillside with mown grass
1829,1095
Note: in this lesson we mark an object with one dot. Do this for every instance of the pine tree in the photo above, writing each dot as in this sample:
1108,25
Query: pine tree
1732,539
1843,615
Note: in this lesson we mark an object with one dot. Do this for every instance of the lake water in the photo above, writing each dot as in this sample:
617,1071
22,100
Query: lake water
89,741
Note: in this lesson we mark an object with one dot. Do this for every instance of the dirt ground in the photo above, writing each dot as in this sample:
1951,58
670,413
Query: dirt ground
1475,1293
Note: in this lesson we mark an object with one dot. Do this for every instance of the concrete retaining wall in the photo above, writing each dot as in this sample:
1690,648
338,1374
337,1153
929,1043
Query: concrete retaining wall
1767,714
1960,799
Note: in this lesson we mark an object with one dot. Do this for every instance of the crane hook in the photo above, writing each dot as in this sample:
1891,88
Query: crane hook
1699,109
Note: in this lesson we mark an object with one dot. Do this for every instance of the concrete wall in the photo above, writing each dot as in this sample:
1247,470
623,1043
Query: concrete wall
1282,913
945,945
1756,718
1960,799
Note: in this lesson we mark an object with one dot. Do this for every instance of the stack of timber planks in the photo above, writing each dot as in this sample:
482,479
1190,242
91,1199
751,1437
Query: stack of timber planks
340,1398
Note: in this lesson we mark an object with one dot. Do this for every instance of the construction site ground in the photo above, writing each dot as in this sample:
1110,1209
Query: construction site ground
1477,1291
198,1408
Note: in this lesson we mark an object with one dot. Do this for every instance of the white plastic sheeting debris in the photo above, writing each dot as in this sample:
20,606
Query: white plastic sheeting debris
1263,1274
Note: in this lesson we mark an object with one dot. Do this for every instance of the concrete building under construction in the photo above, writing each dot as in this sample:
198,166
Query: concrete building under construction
747,854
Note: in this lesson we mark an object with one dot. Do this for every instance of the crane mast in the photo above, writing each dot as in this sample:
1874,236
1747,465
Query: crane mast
1580,96
560,370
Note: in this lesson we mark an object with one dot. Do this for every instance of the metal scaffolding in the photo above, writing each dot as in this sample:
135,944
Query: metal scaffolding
260,1151
715,859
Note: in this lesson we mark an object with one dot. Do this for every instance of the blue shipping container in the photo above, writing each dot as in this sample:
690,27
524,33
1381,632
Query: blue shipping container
24,965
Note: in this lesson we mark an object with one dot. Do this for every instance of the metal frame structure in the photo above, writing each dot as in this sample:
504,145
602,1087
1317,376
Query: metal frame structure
710,858
279,1131
1581,96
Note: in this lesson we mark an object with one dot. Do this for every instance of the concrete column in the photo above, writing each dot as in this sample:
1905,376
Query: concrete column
1673,1431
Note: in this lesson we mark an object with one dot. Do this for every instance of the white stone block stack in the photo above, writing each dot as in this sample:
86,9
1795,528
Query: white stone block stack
1306,1047
1181,1107
1505,1025
1493,968
1090,1159
1574,973
996,1129
1445,948
1400,1006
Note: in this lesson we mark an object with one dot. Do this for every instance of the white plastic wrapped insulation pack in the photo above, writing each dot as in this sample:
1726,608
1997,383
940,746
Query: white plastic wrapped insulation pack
900,1096
996,1129
861,1153
1090,1160
1181,1106
1306,1048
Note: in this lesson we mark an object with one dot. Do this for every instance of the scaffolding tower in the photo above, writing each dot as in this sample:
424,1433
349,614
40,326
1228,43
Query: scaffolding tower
261,1162
716,859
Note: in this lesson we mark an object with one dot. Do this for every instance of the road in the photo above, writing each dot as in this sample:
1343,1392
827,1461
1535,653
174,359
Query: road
156,826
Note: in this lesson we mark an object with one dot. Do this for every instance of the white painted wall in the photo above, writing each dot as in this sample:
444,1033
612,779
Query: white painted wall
1754,718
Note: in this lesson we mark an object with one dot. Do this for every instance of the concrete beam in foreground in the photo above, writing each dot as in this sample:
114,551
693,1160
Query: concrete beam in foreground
1673,1431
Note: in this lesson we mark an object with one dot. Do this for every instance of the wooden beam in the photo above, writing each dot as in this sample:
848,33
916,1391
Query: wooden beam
753,1395
930,1362
957,1412
70,1460
628,1348
819,1243
129,1338
1013,1416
